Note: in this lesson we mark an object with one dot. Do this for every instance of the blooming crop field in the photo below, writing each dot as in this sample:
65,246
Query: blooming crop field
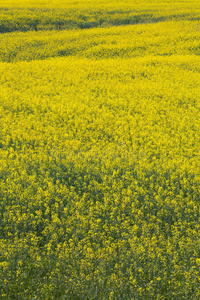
99,150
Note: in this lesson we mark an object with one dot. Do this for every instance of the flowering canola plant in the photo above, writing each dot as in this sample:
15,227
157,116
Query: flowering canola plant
99,160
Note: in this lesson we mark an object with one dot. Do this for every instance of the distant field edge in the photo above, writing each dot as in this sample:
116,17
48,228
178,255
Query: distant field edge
12,20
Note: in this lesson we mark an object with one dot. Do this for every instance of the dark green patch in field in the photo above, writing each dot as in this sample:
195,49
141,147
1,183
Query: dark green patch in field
17,19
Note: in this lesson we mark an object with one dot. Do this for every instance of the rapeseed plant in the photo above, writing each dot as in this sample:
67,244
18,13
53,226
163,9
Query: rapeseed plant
99,158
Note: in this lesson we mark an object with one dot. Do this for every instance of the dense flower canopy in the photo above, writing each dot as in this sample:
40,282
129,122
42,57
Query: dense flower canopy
99,160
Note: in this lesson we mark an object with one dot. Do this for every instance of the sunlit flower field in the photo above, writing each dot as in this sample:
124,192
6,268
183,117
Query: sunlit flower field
99,150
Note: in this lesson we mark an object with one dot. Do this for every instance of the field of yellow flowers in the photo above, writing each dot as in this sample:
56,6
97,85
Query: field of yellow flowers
36,15
99,150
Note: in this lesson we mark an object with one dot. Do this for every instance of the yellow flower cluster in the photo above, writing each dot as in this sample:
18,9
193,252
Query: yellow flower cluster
99,163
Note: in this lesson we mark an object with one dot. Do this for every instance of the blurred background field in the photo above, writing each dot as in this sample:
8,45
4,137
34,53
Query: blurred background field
157,39
99,150
24,15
